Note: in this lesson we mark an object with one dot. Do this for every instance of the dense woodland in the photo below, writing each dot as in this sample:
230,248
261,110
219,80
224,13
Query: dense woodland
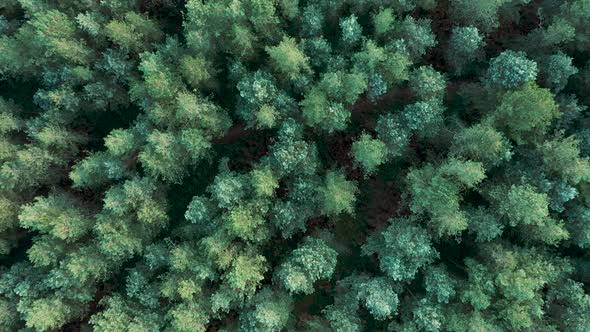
294,165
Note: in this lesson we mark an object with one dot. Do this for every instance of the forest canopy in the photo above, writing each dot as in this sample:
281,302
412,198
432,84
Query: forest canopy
295,165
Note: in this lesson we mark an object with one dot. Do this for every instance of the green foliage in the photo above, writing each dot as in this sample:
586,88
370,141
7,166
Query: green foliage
465,46
199,210
436,191
337,194
577,226
159,81
49,313
428,316
419,115
403,248
439,284
188,316
310,262
511,282
287,165
557,69
288,59
264,182
427,83
351,30
118,316
575,13
270,312
134,33
510,70
378,297
383,21
570,305
228,189
525,114
484,224
369,153
562,156
481,14
416,35
343,319
393,133
481,143
522,206
262,101
8,315
195,70
246,273
56,215
324,104
55,34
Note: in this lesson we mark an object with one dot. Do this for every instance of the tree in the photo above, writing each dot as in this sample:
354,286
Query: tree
288,59
246,221
428,316
393,133
133,34
482,144
9,317
525,114
557,70
378,296
325,103
270,312
57,215
228,189
511,70
8,223
562,156
522,206
577,221
512,280
351,30
312,20
310,262
98,169
132,215
118,315
291,154
483,15
255,165
484,224
262,101
416,35
439,284
246,273
264,182
63,41
419,115
189,316
159,80
436,191
427,83
465,46
402,248
369,153
195,70
49,313
337,194
164,157
570,296
575,14
383,21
